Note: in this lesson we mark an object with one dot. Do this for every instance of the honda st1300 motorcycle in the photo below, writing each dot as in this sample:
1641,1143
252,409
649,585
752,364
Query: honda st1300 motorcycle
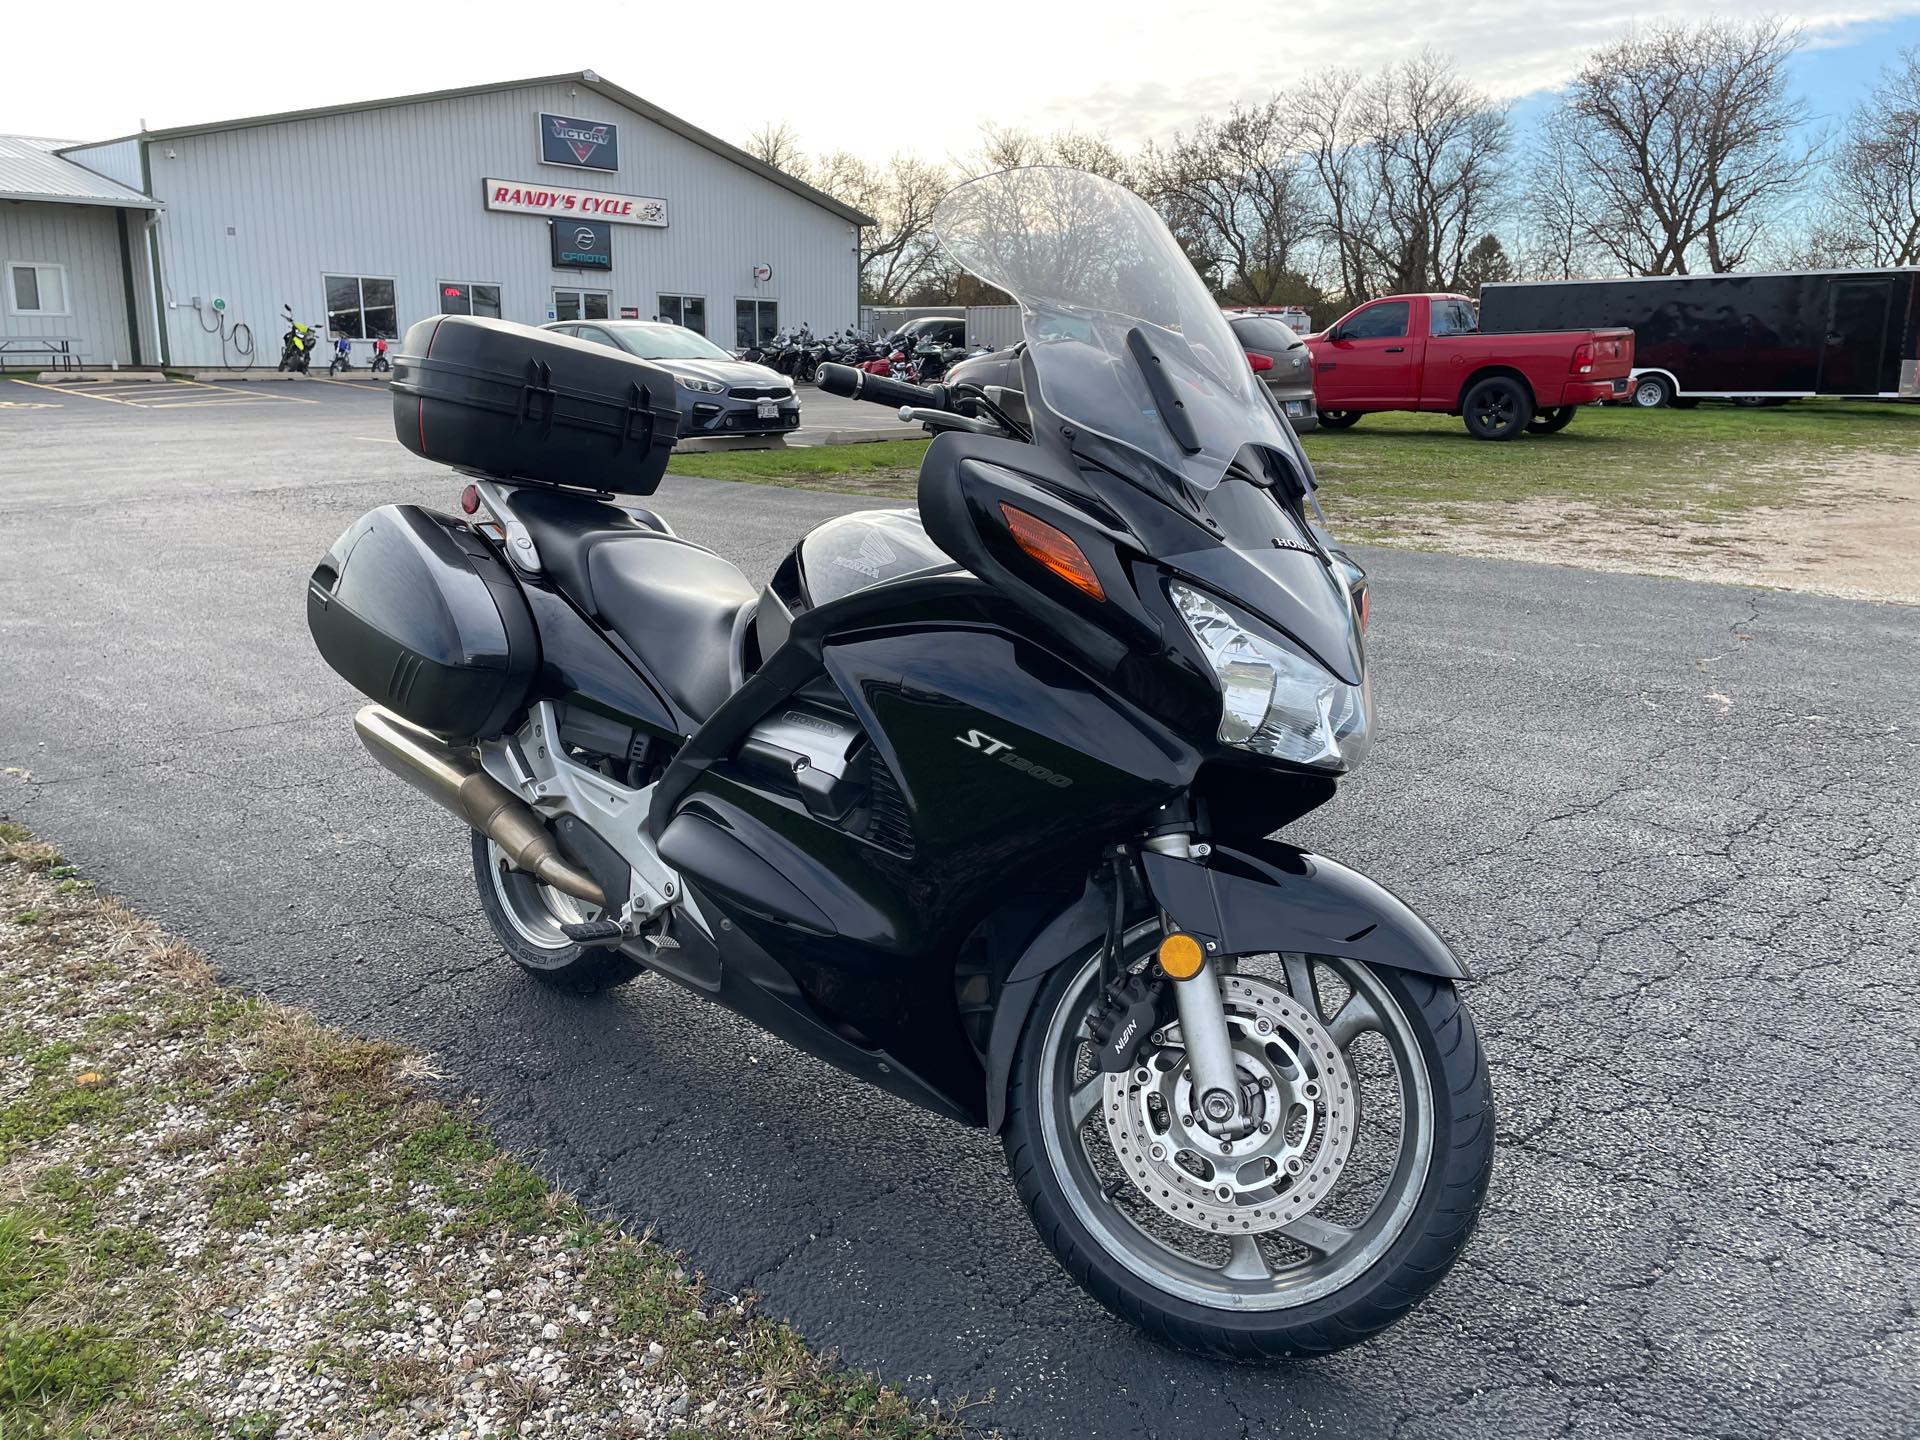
974,801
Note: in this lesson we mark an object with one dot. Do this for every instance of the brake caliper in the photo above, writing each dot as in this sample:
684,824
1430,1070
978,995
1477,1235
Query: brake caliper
1129,1012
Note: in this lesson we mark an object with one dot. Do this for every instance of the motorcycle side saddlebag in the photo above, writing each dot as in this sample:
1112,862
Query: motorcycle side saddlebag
516,403
419,614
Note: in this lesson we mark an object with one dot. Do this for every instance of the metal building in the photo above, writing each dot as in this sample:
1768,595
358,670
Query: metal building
68,240
561,197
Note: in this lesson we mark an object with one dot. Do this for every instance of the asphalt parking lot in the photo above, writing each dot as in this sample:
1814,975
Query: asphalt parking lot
1671,825
824,418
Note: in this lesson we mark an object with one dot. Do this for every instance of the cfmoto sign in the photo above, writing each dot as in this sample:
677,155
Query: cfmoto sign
579,245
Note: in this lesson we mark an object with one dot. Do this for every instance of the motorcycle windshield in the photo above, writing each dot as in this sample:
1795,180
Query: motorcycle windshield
1126,341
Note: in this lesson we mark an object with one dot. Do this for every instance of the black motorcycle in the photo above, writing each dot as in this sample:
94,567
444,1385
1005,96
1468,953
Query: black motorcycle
972,802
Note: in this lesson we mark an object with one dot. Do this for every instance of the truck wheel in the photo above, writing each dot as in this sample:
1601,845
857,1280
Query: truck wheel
1650,392
1497,408
1339,419
1552,422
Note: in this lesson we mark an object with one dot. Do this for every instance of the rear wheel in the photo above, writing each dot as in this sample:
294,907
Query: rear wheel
1354,1186
1650,392
526,917
1551,422
1497,408
1339,419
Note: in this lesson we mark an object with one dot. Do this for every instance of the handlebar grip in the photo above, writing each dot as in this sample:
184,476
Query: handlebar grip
880,389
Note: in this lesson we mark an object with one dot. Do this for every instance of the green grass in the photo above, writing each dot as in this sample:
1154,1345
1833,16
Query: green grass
883,467
1712,460
95,1311
1698,463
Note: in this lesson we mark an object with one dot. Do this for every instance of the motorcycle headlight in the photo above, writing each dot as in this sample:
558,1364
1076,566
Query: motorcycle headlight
705,387
1274,700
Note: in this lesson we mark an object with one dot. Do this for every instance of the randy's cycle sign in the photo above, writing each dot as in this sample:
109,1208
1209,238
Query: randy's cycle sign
526,197
582,144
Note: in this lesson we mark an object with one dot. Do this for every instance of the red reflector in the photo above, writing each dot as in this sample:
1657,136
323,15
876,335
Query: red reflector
470,499
1053,548
1259,361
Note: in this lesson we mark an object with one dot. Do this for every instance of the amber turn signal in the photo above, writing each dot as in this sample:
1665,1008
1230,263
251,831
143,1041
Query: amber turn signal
1053,548
1181,956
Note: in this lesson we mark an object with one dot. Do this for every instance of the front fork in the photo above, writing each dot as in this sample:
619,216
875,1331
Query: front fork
1203,1016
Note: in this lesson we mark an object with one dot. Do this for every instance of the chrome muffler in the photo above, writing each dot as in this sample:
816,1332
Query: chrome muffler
453,779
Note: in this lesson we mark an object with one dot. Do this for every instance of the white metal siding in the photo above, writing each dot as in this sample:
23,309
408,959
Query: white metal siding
995,325
116,159
85,239
396,193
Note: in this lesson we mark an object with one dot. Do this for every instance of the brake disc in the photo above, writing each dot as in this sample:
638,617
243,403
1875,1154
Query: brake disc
1300,1112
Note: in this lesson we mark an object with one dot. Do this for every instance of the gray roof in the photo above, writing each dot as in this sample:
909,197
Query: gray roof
32,169
615,93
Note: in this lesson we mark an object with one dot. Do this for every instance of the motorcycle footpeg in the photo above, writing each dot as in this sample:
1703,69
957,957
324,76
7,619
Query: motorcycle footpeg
594,932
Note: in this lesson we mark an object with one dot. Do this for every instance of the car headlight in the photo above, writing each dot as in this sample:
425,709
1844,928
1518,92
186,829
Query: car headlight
1274,700
705,387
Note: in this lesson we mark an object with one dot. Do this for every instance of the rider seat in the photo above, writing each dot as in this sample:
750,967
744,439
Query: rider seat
679,607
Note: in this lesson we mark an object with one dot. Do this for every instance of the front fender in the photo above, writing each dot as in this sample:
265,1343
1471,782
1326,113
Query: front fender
1247,900
1270,896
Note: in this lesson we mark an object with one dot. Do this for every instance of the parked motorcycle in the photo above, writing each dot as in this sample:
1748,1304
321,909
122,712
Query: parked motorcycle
297,345
973,803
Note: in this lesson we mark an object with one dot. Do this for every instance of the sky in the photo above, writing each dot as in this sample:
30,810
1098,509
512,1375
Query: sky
873,79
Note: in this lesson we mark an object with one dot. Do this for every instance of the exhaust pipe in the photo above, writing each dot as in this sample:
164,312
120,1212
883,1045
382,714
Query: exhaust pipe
454,780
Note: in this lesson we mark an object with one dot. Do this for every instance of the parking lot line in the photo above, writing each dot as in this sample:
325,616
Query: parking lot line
252,394
75,390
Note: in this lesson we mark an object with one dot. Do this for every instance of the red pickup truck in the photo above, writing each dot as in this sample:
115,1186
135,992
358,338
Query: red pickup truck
1426,352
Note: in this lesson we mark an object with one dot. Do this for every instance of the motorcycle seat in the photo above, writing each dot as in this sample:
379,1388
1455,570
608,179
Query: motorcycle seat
676,604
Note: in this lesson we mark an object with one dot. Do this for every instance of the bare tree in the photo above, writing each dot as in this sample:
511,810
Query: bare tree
1871,210
1414,165
1679,143
1007,147
896,252
1235,191
779,146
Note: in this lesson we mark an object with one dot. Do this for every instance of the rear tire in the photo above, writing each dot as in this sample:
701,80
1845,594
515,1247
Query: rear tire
1339,419
1497,408
1435,1218
1652,392
526,916
1552,422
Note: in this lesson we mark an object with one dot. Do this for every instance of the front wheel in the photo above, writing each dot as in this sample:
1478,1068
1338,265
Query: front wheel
1355,1185
1339,419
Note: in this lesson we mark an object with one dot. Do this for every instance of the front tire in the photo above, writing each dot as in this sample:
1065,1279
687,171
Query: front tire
526,917
1346,1268
1339,419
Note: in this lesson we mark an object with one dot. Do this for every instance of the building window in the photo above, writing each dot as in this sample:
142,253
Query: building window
361,309
34,289
687,310
755,322
459,298
580,305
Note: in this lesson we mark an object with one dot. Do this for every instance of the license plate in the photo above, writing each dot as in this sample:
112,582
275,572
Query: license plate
769,410
1296,407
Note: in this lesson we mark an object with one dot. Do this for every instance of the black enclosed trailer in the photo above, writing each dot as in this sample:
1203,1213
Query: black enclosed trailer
1780,336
